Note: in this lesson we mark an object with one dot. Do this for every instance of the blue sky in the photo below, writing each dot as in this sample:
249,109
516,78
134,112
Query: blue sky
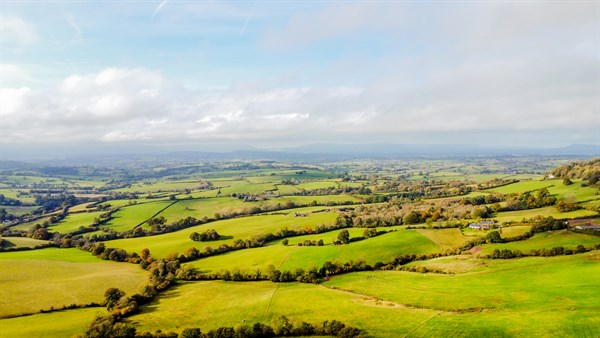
215,75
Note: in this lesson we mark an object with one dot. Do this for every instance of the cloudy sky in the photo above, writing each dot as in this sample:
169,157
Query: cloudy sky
216,75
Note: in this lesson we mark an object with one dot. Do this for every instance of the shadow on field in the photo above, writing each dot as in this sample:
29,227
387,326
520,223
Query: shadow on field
154,305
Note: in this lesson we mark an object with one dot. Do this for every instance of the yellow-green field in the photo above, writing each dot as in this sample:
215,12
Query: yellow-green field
237,228
41,279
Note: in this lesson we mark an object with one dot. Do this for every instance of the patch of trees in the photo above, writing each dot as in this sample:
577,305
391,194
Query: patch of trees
208,235
556,251
565,206
526,200
281,326
50,202
585,170
9,201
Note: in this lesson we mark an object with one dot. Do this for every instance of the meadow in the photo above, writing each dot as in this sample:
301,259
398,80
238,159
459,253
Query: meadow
232,229
40,279
382,248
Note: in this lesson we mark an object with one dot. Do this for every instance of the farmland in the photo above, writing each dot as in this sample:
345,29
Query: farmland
388,251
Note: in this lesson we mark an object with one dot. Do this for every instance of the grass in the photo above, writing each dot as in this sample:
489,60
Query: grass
515,230
29,225
516,216
23,242
57,324
128,217
381,248
544,290
81,207
73,221
237,228
208,207
40,279
445,238
523,186
194,305
548,240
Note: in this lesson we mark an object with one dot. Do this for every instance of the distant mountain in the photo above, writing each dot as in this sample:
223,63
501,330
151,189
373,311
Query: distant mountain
438,150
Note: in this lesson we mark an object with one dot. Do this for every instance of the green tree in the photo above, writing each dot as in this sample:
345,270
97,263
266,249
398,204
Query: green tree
344,236
112,296
493,237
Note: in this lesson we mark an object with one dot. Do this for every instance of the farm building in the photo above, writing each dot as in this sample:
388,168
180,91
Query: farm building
588,227
482,225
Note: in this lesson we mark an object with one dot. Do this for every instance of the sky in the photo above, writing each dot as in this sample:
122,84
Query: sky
81,76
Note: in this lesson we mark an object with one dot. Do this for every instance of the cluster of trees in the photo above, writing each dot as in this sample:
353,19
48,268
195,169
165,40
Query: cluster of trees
308,242
585,170
281,326
208,235
50,202
556,251
9,201
526,200
564,206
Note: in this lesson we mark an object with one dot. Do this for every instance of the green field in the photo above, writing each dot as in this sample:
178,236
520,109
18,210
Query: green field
195,305
23,242
59,324
72,222
544,290
548,240
524,186
381,248
208,207
128,217
446,238
237,228
517,216
40,279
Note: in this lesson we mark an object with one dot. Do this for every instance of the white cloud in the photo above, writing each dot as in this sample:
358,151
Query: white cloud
17,32
120,104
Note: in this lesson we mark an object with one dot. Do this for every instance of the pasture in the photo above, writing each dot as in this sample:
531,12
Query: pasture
73,221
547,240
58,324
237,228
41,279
381,248
130,216
546,290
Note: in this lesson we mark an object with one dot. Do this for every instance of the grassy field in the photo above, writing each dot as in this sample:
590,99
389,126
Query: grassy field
543,290
73,221
58,324
128,217
381,248
524,186
23,242
70,276
208,207
517,216
241,228
514,231
392,304
81,207
445,238
195,305
29,225
548,240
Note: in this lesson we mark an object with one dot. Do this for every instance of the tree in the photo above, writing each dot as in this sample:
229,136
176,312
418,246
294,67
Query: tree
567,181
191,333
112,296
412,217
493,237
344,236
